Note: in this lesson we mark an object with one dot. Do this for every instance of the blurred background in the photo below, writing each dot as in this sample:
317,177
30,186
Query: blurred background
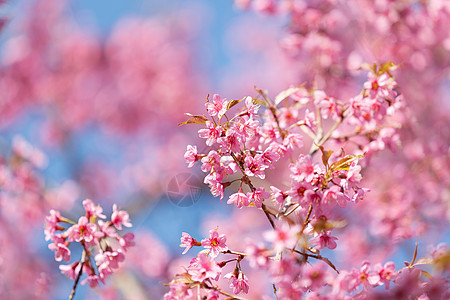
100,88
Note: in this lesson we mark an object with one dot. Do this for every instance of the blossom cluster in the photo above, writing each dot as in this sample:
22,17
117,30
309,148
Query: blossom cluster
251,144
103,247
282,255
297,161
319,45
204,270
246,145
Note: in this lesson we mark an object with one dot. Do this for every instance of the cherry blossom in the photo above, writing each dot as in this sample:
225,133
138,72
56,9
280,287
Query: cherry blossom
203,267
119,218
102,246
239,199
216,243
239,282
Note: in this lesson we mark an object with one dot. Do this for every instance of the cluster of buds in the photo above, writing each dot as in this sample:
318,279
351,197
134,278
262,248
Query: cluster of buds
103,247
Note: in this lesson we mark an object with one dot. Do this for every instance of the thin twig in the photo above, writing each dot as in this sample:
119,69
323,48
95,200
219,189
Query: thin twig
83,257
266,212
295,206
319,257
252,187
307,131
322,141
234,252
307,218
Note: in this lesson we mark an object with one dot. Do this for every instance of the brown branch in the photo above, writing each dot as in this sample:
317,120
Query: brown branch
234,252
319,257
307,218
252,187
83,258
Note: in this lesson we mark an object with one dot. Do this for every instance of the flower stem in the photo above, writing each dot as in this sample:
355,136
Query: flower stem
72,293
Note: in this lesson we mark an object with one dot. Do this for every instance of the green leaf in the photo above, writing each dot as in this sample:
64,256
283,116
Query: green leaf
232,103
387,68
325,155
424,261
195,120
258,101
426,274
344,163
285,94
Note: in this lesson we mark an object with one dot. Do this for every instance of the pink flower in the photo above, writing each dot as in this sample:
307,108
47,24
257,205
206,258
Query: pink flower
328,106
105,229
278,195
257,254
248,128
334,195
191,155
239,199
51,223
252,109
265,6
210,133
92,279
254,167
231,141
310,119
126,241
293,141
323,241
217,107
71,270
283,236
385,274
359,194
178,290
314,276
354,172
270,156
257,196
381,87
59,245
188,242
304,168
119,218
216,243
238,283
211,161
363,277
271,134
92,210
217,190
213,295
203,267
107,262
287,117
439,252
298,191
82,231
